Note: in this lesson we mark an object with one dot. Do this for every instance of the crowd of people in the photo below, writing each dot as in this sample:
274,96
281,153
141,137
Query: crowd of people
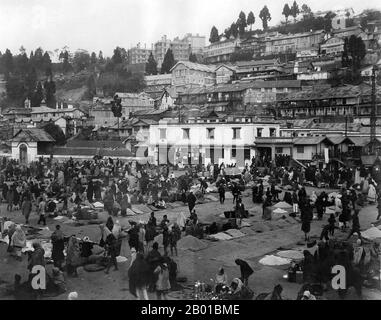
49,187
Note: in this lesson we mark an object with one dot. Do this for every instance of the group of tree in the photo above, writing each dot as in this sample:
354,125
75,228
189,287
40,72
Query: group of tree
294,11
168,62
238,28
23,76
353,54
308,23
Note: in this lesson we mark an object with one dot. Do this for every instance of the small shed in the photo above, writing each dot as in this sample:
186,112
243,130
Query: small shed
27,144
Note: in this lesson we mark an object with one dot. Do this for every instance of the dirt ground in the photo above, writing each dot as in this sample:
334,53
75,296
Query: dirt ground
195,266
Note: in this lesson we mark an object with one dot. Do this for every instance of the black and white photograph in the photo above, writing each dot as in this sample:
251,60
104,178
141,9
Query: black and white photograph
190,150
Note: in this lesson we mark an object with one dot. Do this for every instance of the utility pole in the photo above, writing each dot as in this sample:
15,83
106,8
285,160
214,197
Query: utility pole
373,118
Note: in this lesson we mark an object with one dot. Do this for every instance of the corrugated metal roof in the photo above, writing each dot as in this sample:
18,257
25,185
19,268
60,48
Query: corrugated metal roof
310,140
359,141
195,66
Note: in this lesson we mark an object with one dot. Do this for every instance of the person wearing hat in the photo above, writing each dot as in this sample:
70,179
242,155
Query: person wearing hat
163,284
308,296
72,296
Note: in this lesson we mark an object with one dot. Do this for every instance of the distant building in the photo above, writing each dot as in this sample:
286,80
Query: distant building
139,55
158,80
259,69
338,102
208,140
196,42
332,46
187,74
224,73
181,49
220,51
132,102
28,144
347,32
293,43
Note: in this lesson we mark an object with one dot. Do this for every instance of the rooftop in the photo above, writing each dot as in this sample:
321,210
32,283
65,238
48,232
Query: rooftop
195,66
32,134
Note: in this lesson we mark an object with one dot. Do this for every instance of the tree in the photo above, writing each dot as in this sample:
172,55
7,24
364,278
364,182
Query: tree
50,93
66,66
168,62
93,58
265,16
193,58
295,10
100,57
241,22
7,62
151,65
81,60
117,57
56,132
234,30
306,10
30,82
250,19
37,96
47,64
356,51
214,36
38,59
116,106
286,11
91,87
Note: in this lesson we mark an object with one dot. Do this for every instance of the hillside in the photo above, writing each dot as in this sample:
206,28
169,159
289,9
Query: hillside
72,95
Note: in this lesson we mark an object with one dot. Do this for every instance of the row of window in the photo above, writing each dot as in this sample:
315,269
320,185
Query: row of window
210,133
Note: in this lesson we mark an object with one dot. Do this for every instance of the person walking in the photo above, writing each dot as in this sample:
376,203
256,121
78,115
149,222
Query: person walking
221,192
191,201
163,284
174,236
41,211
139,277
58,246
295,205
111,252
26,208
306,217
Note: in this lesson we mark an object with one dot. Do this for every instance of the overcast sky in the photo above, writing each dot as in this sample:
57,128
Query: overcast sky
102,25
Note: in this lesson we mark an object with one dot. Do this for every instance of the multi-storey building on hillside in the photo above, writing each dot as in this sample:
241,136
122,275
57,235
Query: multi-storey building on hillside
220,51
138,54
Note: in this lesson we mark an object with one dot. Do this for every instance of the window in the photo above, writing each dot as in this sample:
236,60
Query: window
259,132
272,132
186,133
278,150
300,149
163,133
236,133
234,151
210,133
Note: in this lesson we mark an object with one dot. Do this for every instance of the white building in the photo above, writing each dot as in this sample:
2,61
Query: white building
220,51
209,140
187,74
